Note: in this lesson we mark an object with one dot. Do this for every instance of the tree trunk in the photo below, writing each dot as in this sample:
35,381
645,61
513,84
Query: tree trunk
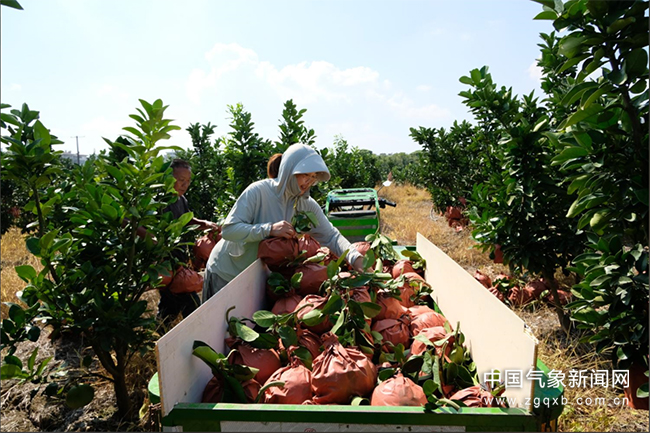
565,319
124,406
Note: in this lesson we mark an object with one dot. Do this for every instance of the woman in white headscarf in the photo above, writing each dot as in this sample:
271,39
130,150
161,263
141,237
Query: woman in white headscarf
264,210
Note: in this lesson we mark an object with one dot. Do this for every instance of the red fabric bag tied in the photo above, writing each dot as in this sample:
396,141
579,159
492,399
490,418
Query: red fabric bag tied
341,373
286,305
309,245
416,310
186,281
398,391
427,320
391,308
483,279
394,330
318,303
433,334
313,276
402,267
203,247
266,360
297,388
277,252
475,396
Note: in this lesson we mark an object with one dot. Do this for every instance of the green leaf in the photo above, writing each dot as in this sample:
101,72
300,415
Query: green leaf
313,318
466,80
546,15
583,114
32,360
304,355
620,24
10,371
26,273
570,153
636,63
245,333
264,318
334,304
360,401
340,321
17,314
41,133
288,336
370,309
476,76
12,4
587,315
642,195
79,396
386,374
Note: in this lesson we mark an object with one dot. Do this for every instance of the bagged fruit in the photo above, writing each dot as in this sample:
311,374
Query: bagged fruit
297,387
398,391
341,373
277,252
267,361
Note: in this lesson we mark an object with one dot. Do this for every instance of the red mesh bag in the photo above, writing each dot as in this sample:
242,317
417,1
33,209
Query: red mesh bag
286,305
318,303
203,247
309,245
565,297
313,276
297,387
427,320
402,267
340,373
398,391
454,213
186,280
266,360
361,247
213,391
394,330
277,252
391,308
434,334
475,396
483,279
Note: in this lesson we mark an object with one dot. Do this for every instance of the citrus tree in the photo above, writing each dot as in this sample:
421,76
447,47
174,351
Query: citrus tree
602,140
96,267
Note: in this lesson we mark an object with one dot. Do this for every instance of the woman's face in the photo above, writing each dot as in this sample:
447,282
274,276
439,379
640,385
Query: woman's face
305,181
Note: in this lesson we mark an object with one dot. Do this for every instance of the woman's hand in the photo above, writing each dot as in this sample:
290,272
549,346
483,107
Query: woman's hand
283,229
358,265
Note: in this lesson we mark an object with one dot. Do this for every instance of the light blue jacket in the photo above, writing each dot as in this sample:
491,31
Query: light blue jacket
266,202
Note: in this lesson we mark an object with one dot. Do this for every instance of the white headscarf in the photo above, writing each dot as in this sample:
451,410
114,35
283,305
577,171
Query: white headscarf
297,159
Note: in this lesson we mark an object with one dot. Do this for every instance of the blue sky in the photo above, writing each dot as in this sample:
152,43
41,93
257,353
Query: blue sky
366,70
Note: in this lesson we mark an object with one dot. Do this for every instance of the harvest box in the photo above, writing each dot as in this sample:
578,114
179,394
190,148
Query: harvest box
497,338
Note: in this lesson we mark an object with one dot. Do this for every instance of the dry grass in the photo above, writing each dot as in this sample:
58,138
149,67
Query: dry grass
13,252
556,349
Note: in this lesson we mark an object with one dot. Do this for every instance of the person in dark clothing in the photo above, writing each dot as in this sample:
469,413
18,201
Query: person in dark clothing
173,304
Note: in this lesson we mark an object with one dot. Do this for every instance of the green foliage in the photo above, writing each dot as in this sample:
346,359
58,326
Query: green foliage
292,128
245,152
351,167
405,167
452,162
602,149
96,267
207,195
520,207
